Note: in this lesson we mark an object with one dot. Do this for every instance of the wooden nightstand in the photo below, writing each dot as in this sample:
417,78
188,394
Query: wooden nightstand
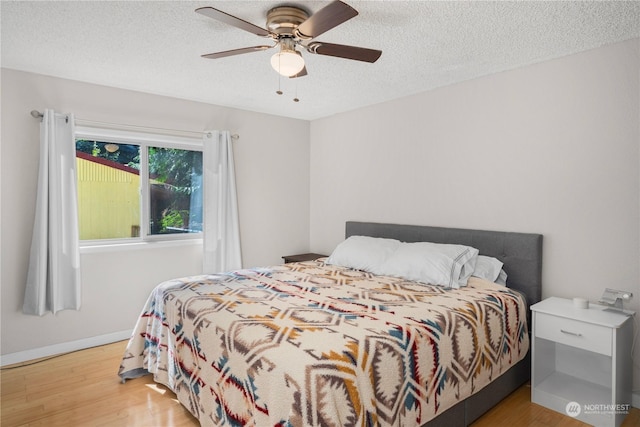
581,361
301,257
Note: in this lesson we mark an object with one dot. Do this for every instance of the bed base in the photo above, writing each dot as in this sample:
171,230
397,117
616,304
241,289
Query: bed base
469,410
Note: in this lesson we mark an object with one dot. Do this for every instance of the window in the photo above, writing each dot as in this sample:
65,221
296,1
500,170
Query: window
138,186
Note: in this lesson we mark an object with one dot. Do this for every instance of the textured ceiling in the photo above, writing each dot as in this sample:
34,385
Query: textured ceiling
155,47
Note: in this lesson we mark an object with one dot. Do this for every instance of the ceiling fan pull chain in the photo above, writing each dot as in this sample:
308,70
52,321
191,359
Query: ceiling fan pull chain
279,91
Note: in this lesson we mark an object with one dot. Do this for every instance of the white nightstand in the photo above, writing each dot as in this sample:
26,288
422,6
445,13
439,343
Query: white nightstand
581,361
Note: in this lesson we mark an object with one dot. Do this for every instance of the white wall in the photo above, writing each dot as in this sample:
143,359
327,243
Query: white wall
552,148
272,159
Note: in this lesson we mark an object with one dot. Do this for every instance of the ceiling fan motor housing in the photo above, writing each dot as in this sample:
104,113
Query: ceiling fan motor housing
284,20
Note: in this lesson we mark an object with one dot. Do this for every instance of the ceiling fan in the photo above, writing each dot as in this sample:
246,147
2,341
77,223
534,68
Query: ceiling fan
290,27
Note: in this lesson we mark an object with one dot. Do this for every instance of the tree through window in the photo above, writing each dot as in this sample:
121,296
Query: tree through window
175,178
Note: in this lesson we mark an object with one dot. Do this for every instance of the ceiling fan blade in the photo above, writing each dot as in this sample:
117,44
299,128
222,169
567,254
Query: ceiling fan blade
343,51
232,20
233,52
328,17
302,73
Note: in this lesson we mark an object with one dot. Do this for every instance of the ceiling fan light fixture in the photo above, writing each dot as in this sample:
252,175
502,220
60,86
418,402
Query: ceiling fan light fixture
111,148
287,62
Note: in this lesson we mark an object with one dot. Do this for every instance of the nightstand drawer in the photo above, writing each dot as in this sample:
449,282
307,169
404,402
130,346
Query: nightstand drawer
574,333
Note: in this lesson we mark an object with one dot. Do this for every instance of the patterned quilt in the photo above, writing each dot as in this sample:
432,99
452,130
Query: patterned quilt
309,344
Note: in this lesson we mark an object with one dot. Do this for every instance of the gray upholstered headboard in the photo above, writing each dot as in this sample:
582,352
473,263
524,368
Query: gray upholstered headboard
521,253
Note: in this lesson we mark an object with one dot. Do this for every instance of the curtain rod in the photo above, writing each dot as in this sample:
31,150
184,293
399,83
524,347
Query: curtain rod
38,115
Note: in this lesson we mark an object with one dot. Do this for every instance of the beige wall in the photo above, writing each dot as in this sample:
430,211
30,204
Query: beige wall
272,160
552,148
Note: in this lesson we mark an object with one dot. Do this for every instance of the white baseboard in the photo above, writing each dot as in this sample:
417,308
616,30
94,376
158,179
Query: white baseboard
635,399
51,350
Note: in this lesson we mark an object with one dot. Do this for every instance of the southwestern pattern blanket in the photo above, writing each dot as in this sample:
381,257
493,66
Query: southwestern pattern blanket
309,344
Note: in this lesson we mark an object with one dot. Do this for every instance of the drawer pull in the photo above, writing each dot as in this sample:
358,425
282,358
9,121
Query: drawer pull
575,334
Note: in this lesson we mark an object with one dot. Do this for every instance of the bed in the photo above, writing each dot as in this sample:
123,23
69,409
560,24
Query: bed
320,343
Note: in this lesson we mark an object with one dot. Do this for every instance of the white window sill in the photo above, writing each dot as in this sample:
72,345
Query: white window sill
136,246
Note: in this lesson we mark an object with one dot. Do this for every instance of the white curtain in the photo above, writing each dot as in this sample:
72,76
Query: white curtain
53,278
221,225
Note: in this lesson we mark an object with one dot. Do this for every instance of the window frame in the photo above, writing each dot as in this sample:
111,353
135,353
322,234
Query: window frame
144,140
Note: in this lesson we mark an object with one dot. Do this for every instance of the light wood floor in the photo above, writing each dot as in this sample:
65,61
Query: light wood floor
83,389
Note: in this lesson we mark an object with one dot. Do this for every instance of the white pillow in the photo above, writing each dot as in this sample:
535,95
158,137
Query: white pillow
363,252
487,268
437,264
502,278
